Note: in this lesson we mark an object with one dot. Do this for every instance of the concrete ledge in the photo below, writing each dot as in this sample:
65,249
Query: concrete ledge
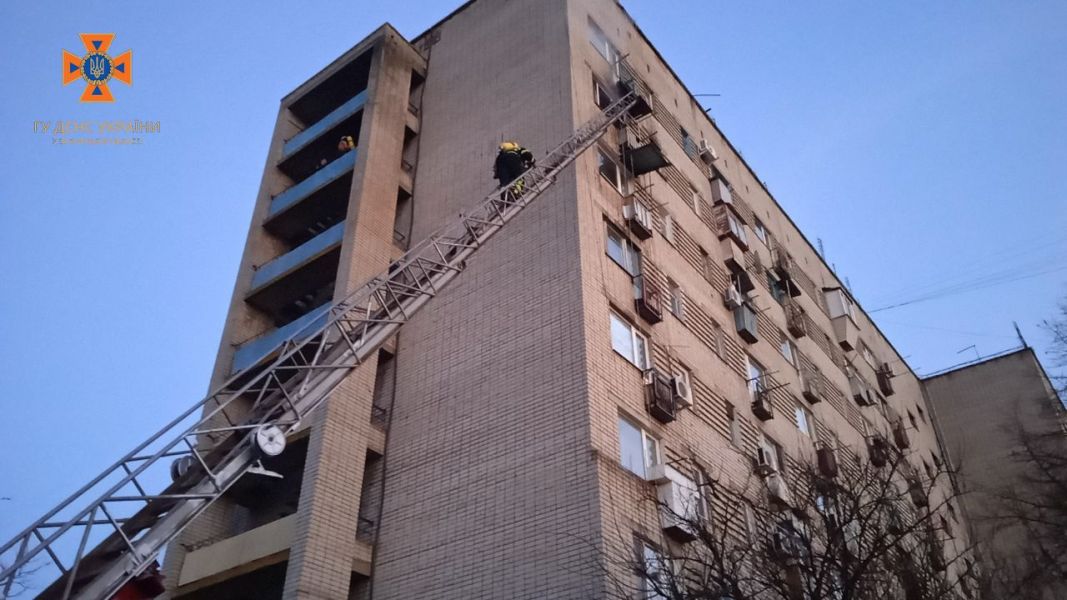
270,541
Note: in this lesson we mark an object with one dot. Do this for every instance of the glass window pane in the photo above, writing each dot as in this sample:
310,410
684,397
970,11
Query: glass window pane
651,451
622,337
616,247
630,448
640,352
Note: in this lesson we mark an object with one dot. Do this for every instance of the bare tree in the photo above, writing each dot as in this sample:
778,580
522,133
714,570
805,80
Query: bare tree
862,531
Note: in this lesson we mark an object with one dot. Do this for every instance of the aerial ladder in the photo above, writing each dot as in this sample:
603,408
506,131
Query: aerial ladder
208,447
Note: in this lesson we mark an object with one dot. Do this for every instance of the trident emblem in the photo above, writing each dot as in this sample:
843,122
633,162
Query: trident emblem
97,68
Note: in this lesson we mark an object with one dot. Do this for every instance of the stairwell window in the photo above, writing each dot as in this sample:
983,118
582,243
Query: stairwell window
638,451
600,95
655,577
629,342
609,170
805,421
788,350
603,45
756,377
677,300
760,230
735,425
668,227
625,253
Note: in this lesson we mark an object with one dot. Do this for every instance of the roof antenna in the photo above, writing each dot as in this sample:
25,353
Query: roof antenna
822,251
1019,333
971,347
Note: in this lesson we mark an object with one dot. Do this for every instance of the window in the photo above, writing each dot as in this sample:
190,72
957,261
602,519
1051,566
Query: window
735,425
929,470
922,414
776,287
629,342
760,230
750,522
655,575
914,423
624,252
838,303
705,263
716,331
602,44
695,200
788,350
868,356
668,228
737,228
805,421
609,170
601,96
638,451
773,452
677,300
756,375
703,498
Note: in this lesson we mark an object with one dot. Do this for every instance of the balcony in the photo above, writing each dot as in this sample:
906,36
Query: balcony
730,225
827,461
745,323
811,385
762,406
885,379
795,319
861,391
338,116
643,157
846,333
659,397
332,172
649,300
256,350
298,257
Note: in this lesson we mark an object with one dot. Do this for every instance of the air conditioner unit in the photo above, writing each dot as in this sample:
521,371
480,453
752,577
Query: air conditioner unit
707,152
764,463
683,394
639,218
778,491
733,298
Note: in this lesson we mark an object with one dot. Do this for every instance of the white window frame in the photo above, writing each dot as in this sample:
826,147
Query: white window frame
650,448
760,230
788,350
751,527
838,303
773,450
677,299
695,202
603,44
736,439
754,380
868,356
668,227
631,259
737,227
604,157
653,561
804,419
601,98
637,339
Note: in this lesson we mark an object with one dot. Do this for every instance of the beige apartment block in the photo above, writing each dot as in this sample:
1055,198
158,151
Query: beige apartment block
983,408
481,454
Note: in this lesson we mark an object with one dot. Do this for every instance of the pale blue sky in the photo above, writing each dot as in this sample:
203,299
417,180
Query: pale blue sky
922,142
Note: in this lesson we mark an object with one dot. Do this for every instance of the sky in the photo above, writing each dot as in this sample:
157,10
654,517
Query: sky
922,143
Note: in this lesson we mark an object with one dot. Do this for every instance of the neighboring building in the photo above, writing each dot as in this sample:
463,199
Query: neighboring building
983,409
503,438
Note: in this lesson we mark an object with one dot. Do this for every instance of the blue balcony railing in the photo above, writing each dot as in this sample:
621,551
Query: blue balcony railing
349,108
253,351
317,181
302,254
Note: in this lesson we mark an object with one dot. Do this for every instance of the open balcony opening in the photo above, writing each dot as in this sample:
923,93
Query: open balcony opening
338,88
315,154
403,219
266,498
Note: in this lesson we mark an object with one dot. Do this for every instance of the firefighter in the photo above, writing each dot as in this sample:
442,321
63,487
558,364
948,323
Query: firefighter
512,160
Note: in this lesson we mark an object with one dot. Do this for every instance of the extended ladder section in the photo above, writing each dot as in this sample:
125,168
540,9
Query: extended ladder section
113,528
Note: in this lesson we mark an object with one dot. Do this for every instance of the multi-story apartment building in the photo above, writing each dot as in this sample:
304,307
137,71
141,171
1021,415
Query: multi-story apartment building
989,413
499,444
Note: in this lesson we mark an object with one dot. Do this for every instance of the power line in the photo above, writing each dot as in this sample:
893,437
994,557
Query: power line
983,282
